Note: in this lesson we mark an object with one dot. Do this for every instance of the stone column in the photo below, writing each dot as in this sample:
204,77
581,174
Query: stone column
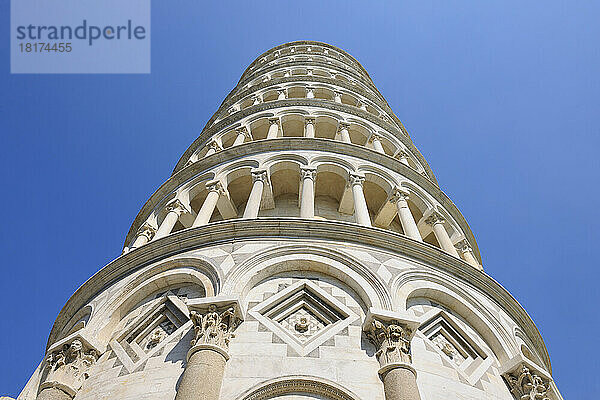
174,210
437,223
391,339
258,183
361,105
310,93
213,147
307,205
337,97
361,212
281,94
467,252
65,371
409,226
242,135
203,375
345,135
273,128
309,127
309,71
376,140
255,100
144,235
215,190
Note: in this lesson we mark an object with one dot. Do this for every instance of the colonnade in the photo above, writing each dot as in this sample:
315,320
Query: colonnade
398,198
332,94
275,130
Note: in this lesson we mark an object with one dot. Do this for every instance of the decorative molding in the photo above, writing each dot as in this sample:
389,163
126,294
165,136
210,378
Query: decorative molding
298,385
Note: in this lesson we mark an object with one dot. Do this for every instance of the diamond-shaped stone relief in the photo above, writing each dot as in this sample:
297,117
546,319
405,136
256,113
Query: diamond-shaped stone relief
145,335
454,345
304,316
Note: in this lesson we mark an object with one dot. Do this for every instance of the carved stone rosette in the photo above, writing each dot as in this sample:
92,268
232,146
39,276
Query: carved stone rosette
214,327
525,384
67,368
392,341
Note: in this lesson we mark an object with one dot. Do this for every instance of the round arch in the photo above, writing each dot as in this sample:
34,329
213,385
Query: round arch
298,384
371,290
430,286
169,274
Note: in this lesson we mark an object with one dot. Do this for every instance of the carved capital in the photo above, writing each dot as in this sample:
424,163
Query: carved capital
435,218
215,186
342,126
147,230
392,341
214,325
309,121
176,206
274,121
259,175
244,131
68,367
374,137
526,384
215,146
401,154
356,179
463,246
308,173
399,195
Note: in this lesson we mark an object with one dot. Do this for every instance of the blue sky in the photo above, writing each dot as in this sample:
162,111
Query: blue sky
501,98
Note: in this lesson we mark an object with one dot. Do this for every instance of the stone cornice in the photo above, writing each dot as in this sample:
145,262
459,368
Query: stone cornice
209,132
231,99
294,229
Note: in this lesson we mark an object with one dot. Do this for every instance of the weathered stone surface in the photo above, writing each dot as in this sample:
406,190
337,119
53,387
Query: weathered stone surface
302,249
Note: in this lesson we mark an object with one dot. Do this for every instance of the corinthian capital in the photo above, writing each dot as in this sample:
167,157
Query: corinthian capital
215,186
259,175
68,367
342,126
214,322
308,173
435,218
463,246
399,194
176,206
147,230
392,341
527,384
391,334
356,179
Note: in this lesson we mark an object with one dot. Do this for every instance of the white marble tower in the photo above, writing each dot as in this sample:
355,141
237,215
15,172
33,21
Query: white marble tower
301,249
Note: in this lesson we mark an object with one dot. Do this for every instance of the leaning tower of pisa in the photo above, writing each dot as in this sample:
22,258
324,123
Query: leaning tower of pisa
301,249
